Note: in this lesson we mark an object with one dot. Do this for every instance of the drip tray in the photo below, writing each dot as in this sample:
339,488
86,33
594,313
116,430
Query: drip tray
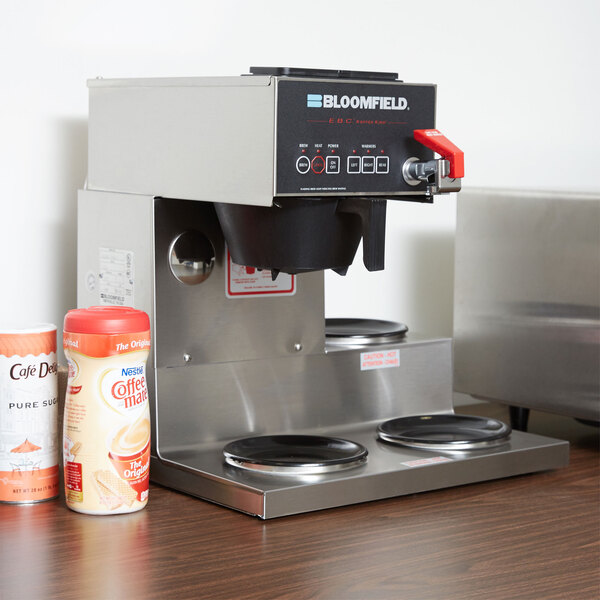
445,432
295,454
390,470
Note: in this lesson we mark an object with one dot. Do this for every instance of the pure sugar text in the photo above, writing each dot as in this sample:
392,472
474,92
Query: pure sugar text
34,404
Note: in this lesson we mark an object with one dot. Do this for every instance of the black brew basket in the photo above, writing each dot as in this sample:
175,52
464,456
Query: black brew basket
298,235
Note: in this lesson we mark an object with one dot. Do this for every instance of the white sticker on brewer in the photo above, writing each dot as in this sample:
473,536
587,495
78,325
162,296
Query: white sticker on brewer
379,359
116,277
245,282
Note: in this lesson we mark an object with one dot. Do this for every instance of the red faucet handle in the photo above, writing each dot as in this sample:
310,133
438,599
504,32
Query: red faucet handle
436,141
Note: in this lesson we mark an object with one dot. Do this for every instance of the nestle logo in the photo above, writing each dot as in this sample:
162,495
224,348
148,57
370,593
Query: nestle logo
128,372
314,100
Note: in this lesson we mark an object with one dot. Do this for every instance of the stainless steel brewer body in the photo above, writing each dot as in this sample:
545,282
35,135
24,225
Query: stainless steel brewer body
229,362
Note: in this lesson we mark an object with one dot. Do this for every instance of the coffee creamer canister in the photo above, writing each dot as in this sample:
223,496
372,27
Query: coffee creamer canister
106,430
28,414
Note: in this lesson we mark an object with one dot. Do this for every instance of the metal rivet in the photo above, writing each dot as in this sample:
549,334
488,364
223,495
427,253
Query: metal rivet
297,347
187,358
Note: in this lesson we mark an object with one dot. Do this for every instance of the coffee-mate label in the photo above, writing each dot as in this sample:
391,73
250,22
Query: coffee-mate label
106,434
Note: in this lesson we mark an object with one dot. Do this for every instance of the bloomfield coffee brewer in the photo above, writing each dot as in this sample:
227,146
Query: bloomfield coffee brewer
215,204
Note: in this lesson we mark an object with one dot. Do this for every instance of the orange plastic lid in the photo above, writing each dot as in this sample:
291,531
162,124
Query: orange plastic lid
106,320
37,339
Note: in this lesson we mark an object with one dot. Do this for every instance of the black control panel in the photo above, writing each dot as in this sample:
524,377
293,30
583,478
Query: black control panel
337,137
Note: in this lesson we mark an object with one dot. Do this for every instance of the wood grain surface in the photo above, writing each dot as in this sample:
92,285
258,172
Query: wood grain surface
530,537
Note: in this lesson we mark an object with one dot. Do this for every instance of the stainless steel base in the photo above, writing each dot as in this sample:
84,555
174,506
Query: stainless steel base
322,394
226,368
390,471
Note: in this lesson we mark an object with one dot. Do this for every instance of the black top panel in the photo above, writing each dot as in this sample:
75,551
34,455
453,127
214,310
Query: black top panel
324,73
349,137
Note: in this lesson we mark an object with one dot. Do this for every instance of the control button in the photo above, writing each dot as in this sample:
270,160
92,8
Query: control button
318,164
354,164
333,165
368,164
383,164
303,165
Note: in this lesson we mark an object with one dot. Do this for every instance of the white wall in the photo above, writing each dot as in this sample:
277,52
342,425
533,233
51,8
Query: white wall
517,90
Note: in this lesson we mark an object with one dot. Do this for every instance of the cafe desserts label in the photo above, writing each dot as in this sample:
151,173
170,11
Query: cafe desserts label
28,415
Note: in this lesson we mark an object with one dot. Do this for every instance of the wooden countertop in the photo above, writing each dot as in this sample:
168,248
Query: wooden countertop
529,537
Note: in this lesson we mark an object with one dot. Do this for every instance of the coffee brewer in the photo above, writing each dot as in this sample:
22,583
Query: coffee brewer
215,204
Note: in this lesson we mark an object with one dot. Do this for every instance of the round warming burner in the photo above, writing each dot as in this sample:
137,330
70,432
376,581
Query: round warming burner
362,332
294,454
444,432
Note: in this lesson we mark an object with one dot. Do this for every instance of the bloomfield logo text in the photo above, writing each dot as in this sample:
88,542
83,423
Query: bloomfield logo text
361,102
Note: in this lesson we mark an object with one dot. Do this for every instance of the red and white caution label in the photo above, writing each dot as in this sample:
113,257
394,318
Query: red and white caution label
380,359
244,282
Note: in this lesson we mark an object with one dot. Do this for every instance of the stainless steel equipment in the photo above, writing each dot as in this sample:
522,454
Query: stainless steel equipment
527,299
214,204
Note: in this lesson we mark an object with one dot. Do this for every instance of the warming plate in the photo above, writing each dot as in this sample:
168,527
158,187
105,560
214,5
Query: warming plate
294,454
390,471
445,432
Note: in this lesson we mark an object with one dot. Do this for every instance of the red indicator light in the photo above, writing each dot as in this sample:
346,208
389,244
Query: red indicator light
317,164
333,152
353,151
368,152
303,151
382,152
318,152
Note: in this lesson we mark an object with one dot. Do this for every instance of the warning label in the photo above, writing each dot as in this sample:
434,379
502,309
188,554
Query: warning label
116,277
244,282
384,359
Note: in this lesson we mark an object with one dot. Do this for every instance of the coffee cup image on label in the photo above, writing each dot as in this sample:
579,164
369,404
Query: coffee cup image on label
129,454
131,438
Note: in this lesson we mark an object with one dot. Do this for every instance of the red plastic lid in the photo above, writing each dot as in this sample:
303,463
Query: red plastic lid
106,320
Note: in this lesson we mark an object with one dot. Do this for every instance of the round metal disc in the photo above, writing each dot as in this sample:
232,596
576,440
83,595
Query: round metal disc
444,432
294,454
363,331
